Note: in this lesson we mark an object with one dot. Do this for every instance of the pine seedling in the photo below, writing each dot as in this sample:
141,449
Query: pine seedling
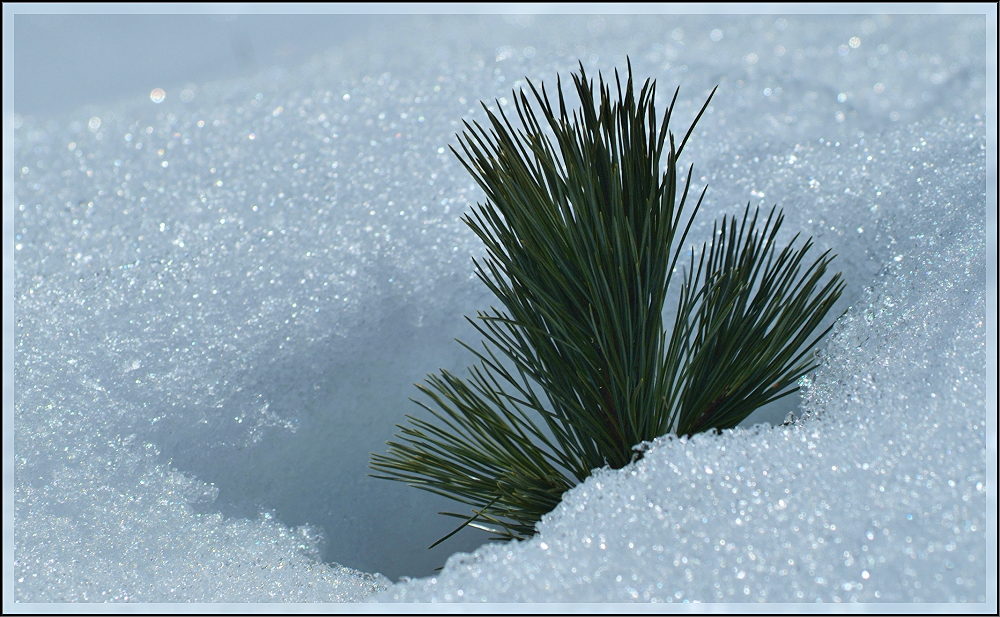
585,218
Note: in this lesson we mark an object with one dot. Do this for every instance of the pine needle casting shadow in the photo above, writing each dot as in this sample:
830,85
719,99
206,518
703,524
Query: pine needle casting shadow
583,230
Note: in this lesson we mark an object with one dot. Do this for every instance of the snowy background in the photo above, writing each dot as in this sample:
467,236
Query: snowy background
227,274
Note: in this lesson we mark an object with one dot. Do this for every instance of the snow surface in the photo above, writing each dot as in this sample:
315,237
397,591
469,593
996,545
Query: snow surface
222,300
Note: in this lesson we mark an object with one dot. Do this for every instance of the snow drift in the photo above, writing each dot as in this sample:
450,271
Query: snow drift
221,301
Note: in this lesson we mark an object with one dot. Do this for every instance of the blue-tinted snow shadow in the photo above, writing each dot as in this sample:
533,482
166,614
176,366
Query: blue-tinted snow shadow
346,393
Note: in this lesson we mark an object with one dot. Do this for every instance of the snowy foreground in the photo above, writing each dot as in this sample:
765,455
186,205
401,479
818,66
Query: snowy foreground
221,301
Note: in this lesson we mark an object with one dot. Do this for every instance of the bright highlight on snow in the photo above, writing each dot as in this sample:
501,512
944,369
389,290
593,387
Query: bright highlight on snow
212,331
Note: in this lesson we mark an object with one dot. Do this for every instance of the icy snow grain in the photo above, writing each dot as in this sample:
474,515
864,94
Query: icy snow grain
229,293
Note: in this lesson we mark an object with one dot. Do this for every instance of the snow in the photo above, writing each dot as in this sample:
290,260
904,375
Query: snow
881,493
222,300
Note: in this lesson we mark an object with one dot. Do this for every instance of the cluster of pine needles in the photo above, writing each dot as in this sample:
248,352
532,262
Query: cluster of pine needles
585,218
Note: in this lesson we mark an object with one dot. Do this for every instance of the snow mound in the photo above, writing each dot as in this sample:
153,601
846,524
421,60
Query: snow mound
880,493
221,301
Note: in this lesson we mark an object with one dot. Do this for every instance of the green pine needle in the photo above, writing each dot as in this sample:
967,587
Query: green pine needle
583,230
